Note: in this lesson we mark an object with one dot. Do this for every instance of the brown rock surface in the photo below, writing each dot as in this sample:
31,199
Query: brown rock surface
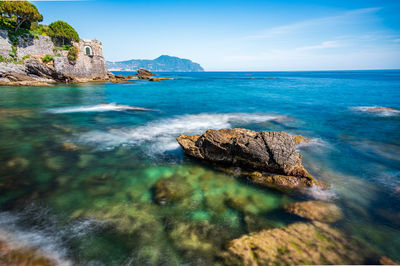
296,244
144,72
316,210
10,255
387,261
265,151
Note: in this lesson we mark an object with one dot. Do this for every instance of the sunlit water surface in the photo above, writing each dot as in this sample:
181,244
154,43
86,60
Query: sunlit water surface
78,171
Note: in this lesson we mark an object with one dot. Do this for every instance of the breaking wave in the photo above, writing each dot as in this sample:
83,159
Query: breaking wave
377,110
161,134
96,108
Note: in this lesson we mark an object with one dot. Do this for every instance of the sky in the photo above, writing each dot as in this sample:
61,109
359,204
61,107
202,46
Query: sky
241,35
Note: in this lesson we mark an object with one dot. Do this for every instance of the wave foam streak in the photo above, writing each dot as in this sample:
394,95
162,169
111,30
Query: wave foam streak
377,110
44,234
161,134
95,108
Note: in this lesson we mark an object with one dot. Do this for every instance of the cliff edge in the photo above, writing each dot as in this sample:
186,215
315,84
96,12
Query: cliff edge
35,60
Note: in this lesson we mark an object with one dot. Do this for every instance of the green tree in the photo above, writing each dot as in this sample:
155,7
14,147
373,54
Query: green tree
21,11
62,32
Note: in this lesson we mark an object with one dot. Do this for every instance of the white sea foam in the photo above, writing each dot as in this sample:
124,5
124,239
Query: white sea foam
313,142
161,134
48,238
322,194
377,110
95,108
49,246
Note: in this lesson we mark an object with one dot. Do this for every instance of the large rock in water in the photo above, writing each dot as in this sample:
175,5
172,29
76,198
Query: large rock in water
144,72
265,151
299,243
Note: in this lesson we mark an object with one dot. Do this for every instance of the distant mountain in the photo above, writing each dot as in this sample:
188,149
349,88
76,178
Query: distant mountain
164,63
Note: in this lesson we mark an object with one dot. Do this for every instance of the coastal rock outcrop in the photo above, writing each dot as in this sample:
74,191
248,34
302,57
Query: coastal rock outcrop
298,243
144,72
35,60
270,155
316,210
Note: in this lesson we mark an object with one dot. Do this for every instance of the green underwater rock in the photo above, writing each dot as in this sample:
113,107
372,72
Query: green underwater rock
316,210
298,243
168,190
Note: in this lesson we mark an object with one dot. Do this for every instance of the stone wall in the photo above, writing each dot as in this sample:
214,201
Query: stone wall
91,66
41,45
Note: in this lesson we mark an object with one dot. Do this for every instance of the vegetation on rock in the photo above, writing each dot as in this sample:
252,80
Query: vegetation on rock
48,58
73,54
62,32
19,13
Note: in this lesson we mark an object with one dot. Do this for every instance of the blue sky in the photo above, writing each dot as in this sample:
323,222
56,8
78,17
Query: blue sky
240,35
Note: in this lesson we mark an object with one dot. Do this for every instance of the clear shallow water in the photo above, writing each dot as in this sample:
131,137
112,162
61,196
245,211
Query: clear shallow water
93,201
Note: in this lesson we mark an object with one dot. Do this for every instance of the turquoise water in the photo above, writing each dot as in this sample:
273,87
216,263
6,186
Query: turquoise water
78,178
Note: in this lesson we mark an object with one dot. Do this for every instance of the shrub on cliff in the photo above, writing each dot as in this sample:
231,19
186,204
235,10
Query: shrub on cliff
62,33
73,54
19,13
48,58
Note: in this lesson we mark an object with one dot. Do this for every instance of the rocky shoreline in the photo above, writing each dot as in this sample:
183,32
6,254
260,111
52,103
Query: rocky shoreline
36,73
27,60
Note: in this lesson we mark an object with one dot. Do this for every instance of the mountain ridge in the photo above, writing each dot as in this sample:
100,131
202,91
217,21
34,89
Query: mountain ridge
163,63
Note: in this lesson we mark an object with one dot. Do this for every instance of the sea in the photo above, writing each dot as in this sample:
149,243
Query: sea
80,164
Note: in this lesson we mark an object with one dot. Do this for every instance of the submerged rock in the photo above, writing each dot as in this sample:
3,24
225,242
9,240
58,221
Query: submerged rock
169,190
18,163
299,139
198,241
316,210
10,255
265,151
67,146
387,261
298,243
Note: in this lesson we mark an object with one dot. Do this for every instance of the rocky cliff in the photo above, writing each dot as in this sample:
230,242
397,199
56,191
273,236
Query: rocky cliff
163,63
23,63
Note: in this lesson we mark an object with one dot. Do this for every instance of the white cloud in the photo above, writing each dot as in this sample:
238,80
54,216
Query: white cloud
285,29
323,45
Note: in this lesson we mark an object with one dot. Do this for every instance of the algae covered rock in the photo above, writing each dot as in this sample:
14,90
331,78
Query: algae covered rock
316,210
298,243
168,190
299,139
10,255
286,181
198,241
265,151
18,163
387,261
